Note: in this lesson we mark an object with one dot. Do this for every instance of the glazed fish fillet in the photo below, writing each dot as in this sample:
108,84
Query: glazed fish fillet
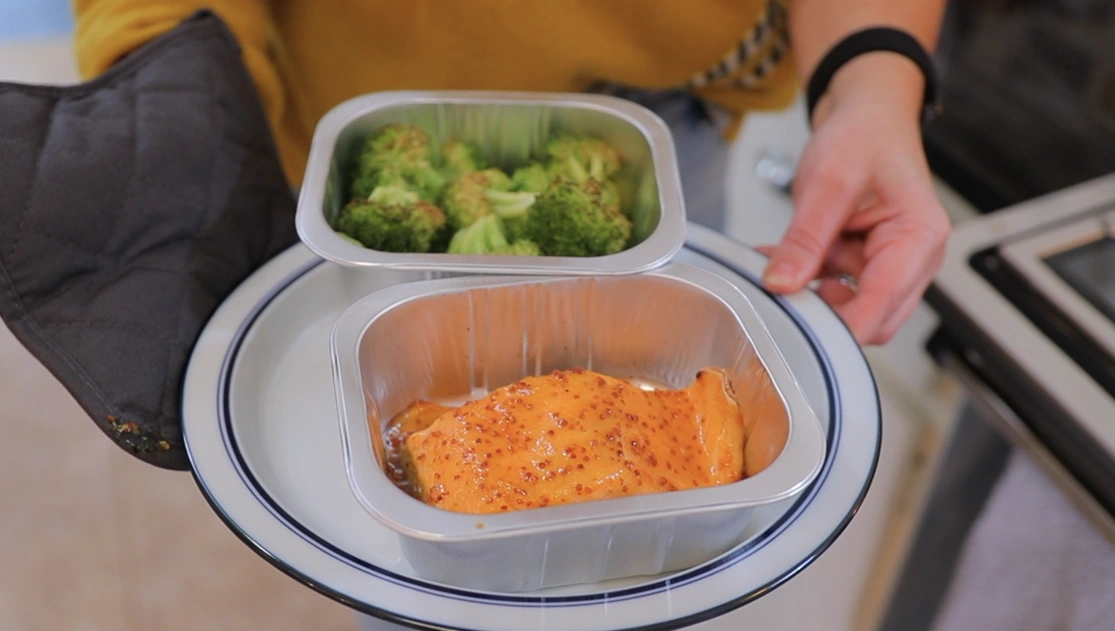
571,436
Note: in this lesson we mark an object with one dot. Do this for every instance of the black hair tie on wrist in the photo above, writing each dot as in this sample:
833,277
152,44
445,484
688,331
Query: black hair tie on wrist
880,38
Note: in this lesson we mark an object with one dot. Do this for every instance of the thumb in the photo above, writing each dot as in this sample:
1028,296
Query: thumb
823,209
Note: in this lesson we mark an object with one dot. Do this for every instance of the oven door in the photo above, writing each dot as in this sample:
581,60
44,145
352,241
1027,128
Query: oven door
1026,298
1072,267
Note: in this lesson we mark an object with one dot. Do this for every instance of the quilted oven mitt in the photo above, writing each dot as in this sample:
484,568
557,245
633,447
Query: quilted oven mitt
130,207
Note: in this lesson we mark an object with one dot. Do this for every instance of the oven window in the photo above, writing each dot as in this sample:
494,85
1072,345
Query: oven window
1090,270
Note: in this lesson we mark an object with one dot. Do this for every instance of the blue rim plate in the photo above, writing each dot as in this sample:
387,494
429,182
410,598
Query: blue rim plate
260,426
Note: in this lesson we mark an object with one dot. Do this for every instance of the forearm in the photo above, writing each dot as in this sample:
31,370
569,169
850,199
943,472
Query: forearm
817,25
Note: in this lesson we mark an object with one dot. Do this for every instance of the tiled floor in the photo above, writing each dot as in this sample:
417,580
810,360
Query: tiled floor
96,541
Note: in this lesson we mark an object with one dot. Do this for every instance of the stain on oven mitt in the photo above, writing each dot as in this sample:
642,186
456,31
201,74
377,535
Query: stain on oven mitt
130,207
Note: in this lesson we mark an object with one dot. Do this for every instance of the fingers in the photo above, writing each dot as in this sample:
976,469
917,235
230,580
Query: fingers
845,256
903,313
827,198
870,319
899,317
903,250
894,279
835,293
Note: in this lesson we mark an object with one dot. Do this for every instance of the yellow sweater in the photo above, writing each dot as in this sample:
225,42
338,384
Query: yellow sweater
306,56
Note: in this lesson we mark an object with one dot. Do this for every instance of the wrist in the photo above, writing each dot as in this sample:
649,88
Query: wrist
883,80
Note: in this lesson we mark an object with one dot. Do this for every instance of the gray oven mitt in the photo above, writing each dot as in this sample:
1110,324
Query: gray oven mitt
130,207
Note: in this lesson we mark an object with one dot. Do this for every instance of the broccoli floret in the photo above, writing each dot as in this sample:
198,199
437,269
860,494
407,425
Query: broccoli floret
397,154
395,143
486,235
609,194
584,159
520,247
392,219
508,204
532,178
477,194
364,184
536,178
571,219
580,158
460,158
511,207
480,237
425,180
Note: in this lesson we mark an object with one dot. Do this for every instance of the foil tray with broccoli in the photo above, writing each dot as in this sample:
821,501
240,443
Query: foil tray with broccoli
406,195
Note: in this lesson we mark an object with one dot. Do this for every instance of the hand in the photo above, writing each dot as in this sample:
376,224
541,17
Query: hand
865,203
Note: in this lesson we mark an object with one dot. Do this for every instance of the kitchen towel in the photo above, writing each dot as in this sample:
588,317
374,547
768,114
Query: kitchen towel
130,207
1032,562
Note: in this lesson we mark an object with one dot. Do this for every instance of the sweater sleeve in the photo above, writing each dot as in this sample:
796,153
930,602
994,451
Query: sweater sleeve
108,30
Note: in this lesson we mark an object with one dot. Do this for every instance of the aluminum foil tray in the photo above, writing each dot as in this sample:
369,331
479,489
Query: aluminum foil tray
510,128
456,338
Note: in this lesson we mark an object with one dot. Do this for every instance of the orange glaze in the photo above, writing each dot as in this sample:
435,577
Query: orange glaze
573,436
418,416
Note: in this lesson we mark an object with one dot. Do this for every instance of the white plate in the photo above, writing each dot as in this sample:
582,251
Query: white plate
260,424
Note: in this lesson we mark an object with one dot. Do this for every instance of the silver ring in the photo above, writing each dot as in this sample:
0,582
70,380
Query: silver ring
847,280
